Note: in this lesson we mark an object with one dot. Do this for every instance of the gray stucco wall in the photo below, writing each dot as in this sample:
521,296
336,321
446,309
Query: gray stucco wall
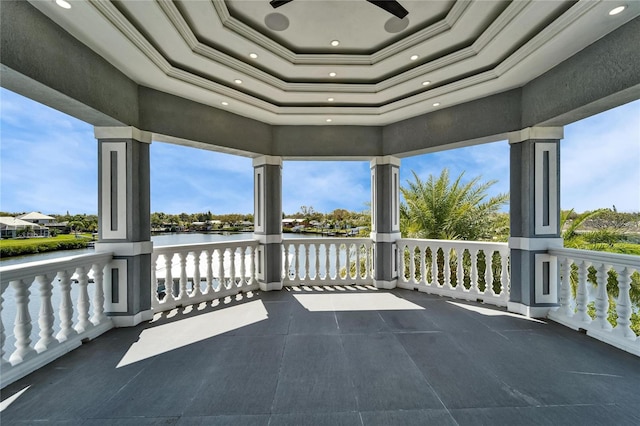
43,62
327,141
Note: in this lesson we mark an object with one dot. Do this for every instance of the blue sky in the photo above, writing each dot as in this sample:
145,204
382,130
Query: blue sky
48,163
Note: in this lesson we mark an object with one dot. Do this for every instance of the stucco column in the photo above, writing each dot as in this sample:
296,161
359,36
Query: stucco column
124,222
535,219
385,219
267,199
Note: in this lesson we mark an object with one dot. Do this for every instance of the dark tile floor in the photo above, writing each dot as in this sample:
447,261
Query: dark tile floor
341,356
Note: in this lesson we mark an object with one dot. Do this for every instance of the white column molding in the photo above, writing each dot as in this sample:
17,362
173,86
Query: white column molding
546,198
268,239
267,160
385,237
530,133
124,132
535,244
119,265
386,159
259,207
132,320
114,189
550,275
125,249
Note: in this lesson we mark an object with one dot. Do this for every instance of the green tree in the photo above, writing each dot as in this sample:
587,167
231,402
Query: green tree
439,208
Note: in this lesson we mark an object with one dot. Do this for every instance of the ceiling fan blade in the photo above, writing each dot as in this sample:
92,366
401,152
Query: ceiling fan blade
278,3
391,6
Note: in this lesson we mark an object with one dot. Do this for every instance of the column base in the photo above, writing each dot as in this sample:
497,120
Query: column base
274,286
132,320
387,285
529,311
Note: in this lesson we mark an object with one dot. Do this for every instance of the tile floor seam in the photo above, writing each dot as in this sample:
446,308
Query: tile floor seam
280,367
425,378
350,374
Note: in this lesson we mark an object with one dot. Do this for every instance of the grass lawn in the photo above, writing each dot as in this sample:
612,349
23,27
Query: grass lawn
15,247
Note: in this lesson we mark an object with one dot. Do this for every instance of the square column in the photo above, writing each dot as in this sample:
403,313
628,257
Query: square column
535,219
385,219
267,200
124,226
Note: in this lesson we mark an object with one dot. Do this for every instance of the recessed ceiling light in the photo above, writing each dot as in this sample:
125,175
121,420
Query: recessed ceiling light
617,10
414,57
330,99
253,55
328,120
63,4
335,42
426,83
332,74
436,104
237,81
224,103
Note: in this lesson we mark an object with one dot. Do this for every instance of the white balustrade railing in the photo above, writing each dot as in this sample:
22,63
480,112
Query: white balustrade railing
327,261
595,293
468,270
54,306
187,274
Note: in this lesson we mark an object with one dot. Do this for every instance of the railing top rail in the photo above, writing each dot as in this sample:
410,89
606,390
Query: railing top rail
454,243
598,256
327,240
203,246
42,267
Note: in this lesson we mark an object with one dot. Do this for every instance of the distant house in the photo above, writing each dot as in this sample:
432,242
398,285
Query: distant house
9,227
36,217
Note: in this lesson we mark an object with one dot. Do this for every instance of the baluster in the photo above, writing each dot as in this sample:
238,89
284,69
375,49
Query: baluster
196,274
347,255
154,282
327,262
434,266
4,364
460,269
83,301
168,277
623,306
46,317
285,254
98,297
423,264
307,270
316,252
358,248
66,307
504,278
447,268
367,261
22,328
602,298
243,273
209,257
232,267
565,287
488,272
252,265
582,296
221,280
474,270
295,262
337,259
412,264
183,294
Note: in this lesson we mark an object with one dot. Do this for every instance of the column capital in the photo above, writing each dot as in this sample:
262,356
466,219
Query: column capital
124,132
386,159
529,133
267,160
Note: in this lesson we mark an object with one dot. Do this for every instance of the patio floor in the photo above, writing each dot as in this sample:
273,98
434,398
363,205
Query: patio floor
340,356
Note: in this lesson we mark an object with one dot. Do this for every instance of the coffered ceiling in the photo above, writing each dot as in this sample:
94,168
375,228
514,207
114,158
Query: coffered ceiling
346,62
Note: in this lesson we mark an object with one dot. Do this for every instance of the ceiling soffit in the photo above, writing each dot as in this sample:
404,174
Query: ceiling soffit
467,50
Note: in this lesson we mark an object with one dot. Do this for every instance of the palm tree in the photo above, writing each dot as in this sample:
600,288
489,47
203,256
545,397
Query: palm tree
441,209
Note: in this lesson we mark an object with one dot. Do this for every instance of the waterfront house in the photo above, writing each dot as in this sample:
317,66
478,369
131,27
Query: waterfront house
37,217
10,227
323,331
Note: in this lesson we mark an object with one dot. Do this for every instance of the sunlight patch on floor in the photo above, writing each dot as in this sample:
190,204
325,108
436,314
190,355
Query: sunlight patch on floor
167,337
492,312
7,402
335,302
